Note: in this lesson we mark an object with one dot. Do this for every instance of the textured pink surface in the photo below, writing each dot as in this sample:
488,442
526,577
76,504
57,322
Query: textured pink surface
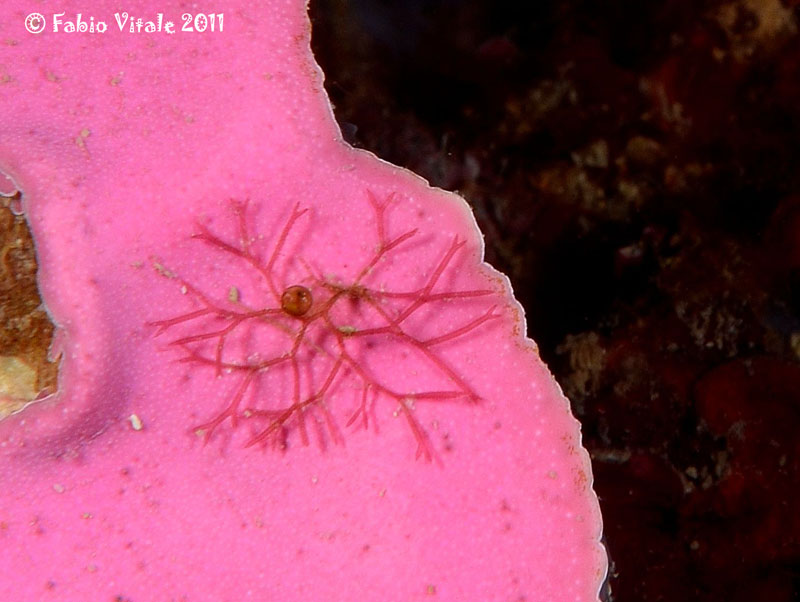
122,144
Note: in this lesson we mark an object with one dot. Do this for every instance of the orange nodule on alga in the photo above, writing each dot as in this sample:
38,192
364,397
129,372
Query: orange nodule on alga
286,373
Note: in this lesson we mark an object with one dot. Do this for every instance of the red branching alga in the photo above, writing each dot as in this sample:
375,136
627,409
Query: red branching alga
291,350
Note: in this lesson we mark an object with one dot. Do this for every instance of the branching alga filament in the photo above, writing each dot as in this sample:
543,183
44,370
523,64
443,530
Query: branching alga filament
311,328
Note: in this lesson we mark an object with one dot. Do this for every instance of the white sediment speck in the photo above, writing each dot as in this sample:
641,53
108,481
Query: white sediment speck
136,422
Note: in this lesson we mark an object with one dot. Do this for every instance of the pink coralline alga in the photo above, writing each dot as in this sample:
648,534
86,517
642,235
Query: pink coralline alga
286,374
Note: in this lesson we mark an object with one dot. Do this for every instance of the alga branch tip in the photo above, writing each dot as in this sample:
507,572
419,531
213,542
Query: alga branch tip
297,352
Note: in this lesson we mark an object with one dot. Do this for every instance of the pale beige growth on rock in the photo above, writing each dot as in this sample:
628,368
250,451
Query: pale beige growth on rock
26,332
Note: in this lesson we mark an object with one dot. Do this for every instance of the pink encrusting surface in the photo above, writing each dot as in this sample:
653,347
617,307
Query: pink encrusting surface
126,147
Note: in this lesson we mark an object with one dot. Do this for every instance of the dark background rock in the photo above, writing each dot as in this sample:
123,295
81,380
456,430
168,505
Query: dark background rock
635,167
